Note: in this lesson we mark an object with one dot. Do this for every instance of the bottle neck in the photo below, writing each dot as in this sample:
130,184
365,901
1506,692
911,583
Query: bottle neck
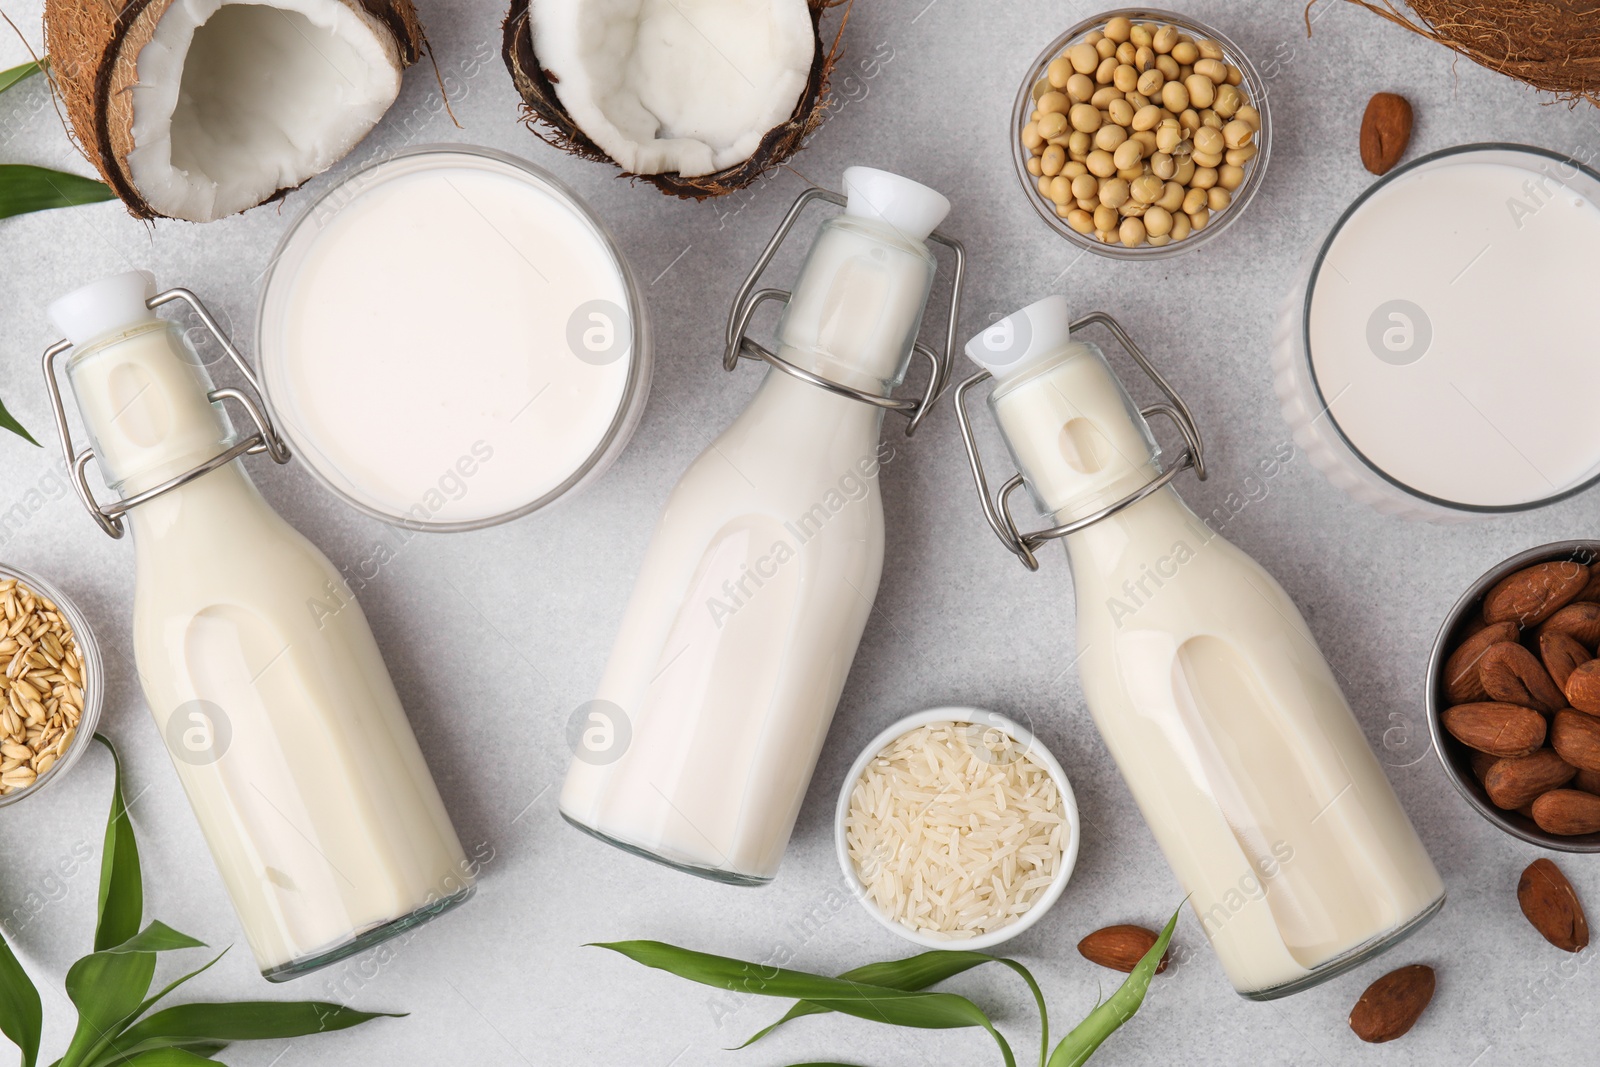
206,511
144,397
858,304
1074,434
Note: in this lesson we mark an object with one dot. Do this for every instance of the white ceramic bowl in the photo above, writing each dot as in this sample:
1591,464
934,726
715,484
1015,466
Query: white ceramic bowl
1035,750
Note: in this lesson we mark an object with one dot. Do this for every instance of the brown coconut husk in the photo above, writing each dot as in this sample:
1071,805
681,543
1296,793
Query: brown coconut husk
94,48
550,122
1552,45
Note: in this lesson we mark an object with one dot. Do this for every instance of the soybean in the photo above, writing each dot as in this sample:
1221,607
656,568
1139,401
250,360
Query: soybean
1139,133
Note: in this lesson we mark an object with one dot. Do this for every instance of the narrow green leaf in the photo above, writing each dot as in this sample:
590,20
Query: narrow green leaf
121,884
106,1056
1101,1023
157,937
151,1001
168,1057
920,972
935,1011
258,1020
910,974
880,1003
21,1014
106,988
25,188
8,78
9,421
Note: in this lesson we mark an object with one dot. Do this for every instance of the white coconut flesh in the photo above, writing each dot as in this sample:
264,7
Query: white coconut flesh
689,86
236,101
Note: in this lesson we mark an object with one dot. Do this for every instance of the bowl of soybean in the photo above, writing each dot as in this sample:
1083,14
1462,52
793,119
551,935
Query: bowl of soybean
1112,148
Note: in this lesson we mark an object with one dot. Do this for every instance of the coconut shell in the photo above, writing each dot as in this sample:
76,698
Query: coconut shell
1552,45
94,47
548,119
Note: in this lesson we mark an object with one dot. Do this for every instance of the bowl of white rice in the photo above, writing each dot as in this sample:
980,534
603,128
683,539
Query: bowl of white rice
956,828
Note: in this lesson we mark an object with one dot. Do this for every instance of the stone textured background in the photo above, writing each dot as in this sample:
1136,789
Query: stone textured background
495,637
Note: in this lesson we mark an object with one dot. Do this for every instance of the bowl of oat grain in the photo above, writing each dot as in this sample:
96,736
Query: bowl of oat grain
50,684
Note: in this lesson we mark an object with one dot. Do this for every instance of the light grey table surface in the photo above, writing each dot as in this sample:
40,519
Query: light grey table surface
495,637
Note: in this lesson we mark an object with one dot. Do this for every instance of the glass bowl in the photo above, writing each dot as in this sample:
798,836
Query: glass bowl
1452,350
93,679
1456,757
352,478
1254,85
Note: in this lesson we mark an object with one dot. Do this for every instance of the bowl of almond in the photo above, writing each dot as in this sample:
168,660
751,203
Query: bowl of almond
50,684
1514,696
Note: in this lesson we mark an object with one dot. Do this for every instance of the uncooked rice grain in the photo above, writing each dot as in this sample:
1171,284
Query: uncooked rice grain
955,831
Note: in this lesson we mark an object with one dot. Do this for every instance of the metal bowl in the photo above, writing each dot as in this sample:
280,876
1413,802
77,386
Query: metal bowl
1455,756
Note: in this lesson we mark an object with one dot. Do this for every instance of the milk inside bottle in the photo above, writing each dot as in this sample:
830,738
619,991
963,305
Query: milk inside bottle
259,668
762,571
1207,686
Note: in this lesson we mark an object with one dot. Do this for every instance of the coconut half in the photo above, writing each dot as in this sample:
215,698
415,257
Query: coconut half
699,97
196,109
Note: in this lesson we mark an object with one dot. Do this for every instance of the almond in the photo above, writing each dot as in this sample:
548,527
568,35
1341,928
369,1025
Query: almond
1583,687
1498,729
1481,762
1513,675
1385,131
1562,655
1580,621
1393,1003
1120,947
1588,781
1535,593
1462,684
1567,812
1576,738
1514,783
1551,905
1591,591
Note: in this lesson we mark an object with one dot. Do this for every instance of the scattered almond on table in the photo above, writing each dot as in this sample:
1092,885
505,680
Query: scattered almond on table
1121,947
41,686
1551,905
1385,131
1393,1004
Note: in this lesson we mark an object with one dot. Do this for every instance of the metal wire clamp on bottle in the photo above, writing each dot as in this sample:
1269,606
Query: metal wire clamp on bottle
997,508
264,439
750,298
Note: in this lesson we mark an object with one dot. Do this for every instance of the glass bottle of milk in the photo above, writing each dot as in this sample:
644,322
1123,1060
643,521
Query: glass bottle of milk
1208,688
259,669
762,571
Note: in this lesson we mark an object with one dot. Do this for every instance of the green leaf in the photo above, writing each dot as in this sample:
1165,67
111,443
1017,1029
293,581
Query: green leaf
912,973
8,78
151,1002
898,1007
1101,1023
121,885
920,972
108,985
21,1014
25,188
157,937
168,1057
105,1055
106,988
9,421
258,1020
